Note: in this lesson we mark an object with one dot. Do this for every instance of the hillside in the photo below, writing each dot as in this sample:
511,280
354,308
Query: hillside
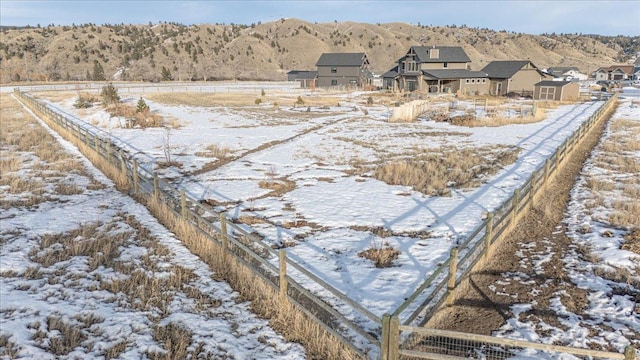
165,51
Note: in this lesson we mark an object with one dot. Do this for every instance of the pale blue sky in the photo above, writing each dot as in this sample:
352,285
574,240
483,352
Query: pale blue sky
532,17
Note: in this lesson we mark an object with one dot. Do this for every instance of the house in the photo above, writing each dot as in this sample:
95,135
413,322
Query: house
513,77
438,69
556,90
614,73
343,69
307,79
570,73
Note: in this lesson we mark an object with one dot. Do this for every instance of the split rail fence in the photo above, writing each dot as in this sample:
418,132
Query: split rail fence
390,337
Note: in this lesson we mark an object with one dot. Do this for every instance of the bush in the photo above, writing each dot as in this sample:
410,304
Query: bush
109,95
299,101
84,101
369,100
258,101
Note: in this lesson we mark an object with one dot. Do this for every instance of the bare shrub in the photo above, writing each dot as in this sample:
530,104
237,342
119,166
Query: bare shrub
115,350
382,255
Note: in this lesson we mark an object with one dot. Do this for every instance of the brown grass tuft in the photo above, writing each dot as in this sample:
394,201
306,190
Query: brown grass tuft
382,255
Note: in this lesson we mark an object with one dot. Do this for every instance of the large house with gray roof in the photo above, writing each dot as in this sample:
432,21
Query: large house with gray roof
439,69
344,70
514,77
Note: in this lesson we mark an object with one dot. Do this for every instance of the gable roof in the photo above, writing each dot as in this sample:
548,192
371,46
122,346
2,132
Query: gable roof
627,69
504,69
454,74
561,70
342,59
452,54
391,73
552,83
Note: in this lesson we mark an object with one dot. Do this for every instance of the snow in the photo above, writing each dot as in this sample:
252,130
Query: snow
70,289
610,318
317,154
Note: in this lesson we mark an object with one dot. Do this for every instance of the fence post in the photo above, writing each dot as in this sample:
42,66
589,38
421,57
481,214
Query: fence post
109,151
183,204
223,233
547,166
514,205
394,338
488,236
123,166
135,176
629,353
384,341
156,190
283,274
453,268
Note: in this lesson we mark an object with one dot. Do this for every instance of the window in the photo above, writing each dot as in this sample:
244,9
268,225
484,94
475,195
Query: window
466,81
411,66
334,69
334,82
445,65
473,81
484,81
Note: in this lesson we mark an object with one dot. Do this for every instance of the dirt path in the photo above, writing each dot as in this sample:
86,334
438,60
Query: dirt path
483,304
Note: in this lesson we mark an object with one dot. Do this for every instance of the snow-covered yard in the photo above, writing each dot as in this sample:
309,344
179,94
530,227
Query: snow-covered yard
332,207
87,272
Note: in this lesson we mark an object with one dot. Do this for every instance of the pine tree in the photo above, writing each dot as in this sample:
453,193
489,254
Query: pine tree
165,74
142,106
109,95
98,71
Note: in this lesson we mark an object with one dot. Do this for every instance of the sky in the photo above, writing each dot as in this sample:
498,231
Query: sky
620,17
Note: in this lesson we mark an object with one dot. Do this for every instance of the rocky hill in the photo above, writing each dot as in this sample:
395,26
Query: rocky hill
170,51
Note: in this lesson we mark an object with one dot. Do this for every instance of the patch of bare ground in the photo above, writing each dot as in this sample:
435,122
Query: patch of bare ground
482,304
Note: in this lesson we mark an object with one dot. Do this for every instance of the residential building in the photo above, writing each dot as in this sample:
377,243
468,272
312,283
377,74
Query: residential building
343,69
438,69
614,73
514,77
570,73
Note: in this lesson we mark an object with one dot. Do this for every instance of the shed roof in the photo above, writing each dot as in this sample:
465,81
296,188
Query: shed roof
552,83
452,54
504,69
302,75
342,59
454,74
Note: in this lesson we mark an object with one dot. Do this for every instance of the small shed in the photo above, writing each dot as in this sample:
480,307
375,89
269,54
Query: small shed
556,90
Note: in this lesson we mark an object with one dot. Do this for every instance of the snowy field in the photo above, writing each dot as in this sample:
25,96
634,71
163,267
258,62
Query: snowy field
602,213
87,272
329,212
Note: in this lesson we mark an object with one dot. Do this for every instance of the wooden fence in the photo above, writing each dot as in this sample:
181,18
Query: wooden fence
285,275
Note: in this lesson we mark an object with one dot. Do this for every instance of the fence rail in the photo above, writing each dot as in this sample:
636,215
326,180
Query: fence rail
281,272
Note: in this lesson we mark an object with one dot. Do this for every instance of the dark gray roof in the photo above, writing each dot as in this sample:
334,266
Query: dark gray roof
504,69
391,73
454,74
303,75
342,59
452,54
552,83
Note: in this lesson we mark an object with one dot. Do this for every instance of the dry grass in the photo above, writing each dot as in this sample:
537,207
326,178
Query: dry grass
215,151
284,317
175,340
60,337
8,349
493,121
382,255
458,168
134,118
278,187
